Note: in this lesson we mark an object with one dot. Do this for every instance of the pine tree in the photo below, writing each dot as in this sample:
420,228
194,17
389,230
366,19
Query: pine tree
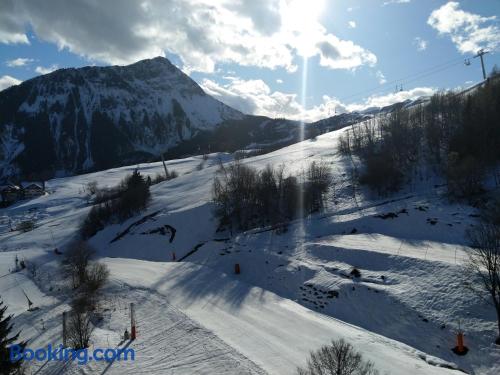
6,365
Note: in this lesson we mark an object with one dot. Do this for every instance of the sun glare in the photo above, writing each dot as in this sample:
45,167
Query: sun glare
301,18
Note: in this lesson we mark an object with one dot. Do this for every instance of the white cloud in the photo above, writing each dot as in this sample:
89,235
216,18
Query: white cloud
256,97
7,81
420,43
343,54
381,77
280,81
352,24
392,98
21,61
13,38
468,31
12,28
389,2
203,33
46,70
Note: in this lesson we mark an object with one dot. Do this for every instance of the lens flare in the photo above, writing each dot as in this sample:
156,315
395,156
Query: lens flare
301,18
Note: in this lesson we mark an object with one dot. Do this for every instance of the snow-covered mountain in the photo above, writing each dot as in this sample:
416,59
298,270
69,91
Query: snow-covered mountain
75,120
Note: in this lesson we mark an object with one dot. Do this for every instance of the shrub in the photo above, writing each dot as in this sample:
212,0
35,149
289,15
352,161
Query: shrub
355,273
135,196
92,187
160,177
491,212
247,198
381,173
338,358
97,276
106,195
26,226
75,262
95,221
128,199
464,176
234,192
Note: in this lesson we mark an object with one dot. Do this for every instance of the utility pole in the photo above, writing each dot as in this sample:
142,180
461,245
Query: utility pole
480,54
164,166
133,332
64,333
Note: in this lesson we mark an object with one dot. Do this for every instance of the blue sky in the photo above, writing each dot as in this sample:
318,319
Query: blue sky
251,53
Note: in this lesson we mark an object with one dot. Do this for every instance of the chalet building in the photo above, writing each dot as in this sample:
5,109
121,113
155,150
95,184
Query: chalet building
32,190
10,193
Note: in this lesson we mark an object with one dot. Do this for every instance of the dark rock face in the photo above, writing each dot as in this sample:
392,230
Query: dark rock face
77,120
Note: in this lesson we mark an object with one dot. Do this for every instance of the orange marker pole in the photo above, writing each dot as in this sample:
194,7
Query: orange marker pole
460,349
460,342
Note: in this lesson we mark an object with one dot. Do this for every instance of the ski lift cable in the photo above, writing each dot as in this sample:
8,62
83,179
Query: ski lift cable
419,76
432,73
409,78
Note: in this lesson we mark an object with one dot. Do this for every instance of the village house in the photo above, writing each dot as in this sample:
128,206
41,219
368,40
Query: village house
10,193
32,190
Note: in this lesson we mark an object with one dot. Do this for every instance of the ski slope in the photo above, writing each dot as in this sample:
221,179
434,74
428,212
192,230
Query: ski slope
273,331
402,313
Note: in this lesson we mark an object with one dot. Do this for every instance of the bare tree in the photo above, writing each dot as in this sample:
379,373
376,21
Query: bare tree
92,187
86,298
32,268
318,179
338,358
247,198
345,143
484,261
79,328
87,278
97,276
76,261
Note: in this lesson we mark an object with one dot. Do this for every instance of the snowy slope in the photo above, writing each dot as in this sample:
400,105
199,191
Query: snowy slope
408,301
169,341
274,332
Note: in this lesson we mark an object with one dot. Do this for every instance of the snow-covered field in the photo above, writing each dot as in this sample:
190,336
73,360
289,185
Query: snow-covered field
294,292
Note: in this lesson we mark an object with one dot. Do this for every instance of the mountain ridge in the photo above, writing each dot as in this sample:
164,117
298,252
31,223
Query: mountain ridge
79,120
65,118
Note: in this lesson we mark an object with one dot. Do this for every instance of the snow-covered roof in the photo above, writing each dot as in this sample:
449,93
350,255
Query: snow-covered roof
9,187
31,185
